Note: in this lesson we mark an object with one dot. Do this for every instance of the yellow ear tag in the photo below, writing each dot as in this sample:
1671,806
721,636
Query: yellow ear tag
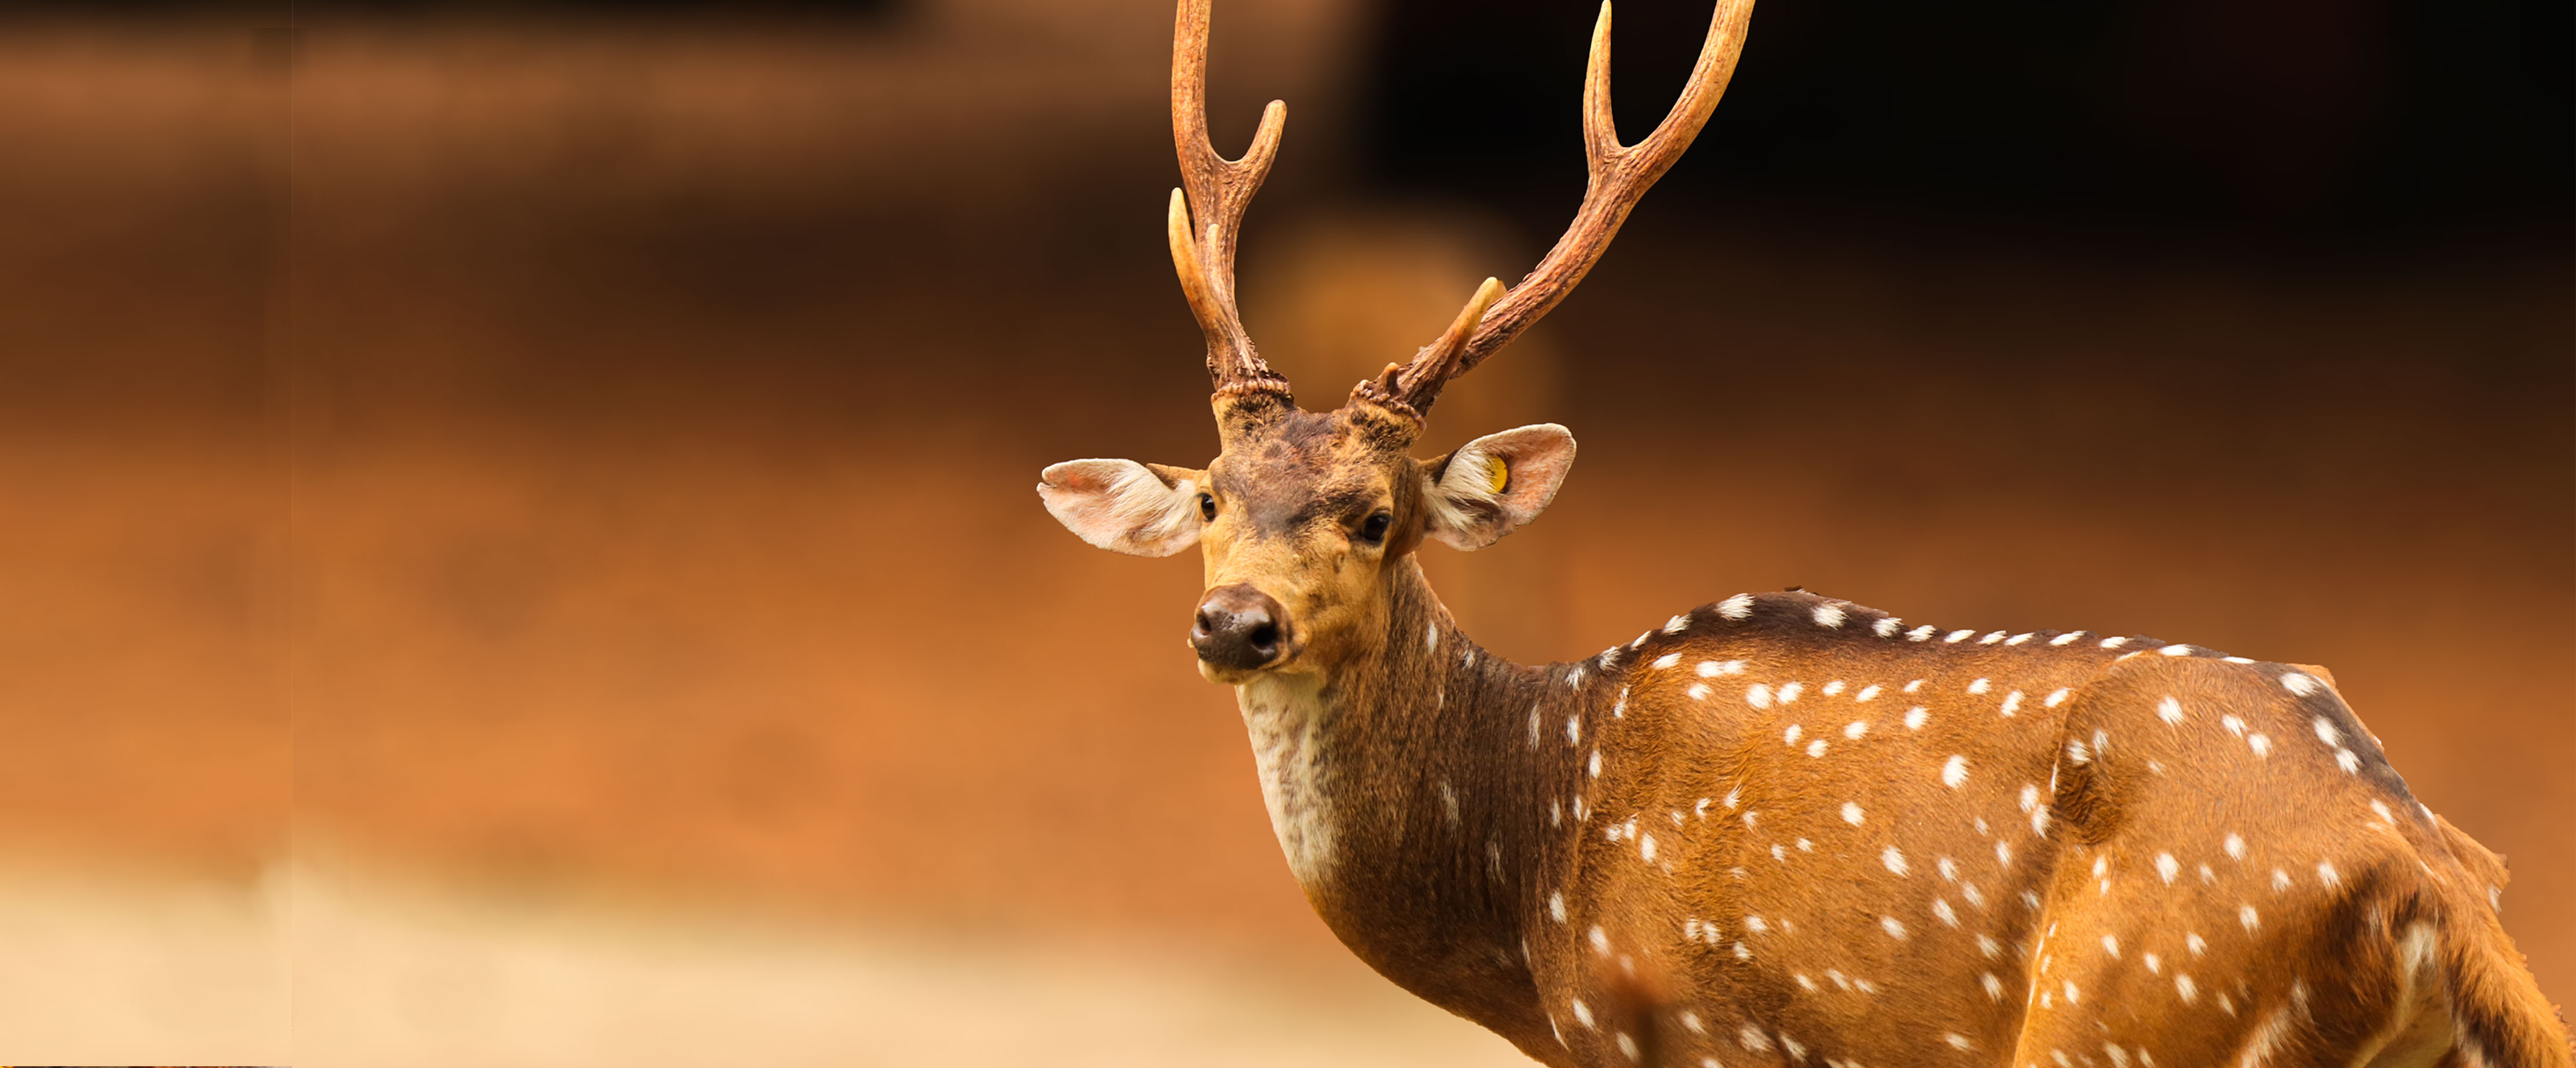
1496,474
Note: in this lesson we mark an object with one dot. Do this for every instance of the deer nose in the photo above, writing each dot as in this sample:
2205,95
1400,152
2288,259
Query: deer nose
1238,627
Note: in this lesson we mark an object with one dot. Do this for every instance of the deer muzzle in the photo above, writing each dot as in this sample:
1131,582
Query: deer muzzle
1239,628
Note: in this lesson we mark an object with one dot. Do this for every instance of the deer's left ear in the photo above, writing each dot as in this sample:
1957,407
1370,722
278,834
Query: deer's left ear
1125,506
1492,485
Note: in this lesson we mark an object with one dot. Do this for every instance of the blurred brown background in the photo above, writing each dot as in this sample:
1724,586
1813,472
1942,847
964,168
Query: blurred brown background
519,515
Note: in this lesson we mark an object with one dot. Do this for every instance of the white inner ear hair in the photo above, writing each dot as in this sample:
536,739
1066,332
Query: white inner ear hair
1466,483
1148,511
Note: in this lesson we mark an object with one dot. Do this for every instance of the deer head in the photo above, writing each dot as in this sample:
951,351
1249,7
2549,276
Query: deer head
1304,517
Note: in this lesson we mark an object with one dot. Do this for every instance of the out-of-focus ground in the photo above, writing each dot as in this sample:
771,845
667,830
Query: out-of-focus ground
584,593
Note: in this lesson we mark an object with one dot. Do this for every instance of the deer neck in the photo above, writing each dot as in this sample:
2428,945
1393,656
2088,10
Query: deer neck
1410,787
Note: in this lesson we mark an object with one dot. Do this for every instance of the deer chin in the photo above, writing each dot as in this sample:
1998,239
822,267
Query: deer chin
1291,662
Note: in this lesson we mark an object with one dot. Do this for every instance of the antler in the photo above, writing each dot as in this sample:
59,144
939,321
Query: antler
1619,177
1218,191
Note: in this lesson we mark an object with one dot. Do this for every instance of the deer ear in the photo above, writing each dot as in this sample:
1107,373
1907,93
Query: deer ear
1125,506
1492,485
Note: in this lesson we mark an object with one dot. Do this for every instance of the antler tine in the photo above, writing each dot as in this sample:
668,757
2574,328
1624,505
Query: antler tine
1218,191
1619,176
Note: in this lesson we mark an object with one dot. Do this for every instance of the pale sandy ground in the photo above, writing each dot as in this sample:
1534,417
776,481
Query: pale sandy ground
393,969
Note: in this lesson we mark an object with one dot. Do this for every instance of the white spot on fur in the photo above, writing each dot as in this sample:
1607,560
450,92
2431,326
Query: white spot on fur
2326,874
1990,639
1677,624
2167,867
2300,683
1790,692
2245,915
1957,636
2175,650
1867,693
2067,638
1886,628
2012,703
2056,697
1758,695
1894,859
2170,711
1894,929
1851,813
2260,743
1915,716
2114,643
1828,615
2234,725
1709,669
1957,1041
1816,748
1667,660
1942,909
1556,906
1954,771
1922,633
1855,729
1979,686
1736,607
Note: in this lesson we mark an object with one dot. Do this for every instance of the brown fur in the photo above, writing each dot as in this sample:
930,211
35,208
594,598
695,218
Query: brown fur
1945,919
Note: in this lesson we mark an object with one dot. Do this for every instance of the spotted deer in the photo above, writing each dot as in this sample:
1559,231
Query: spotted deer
1779,829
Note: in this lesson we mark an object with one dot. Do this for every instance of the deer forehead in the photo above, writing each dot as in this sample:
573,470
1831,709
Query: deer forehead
1285,482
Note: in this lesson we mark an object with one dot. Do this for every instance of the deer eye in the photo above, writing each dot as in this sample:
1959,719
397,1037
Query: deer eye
1373,529
1207,507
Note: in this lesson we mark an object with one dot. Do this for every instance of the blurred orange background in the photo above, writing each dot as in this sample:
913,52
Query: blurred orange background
521,544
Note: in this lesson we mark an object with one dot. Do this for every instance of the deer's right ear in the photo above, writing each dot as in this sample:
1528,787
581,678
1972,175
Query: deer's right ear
1125,506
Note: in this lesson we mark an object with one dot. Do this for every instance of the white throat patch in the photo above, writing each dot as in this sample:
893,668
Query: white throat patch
1285,719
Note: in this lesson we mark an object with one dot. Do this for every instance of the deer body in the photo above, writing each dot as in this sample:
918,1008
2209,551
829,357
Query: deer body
1778,829
1825,836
